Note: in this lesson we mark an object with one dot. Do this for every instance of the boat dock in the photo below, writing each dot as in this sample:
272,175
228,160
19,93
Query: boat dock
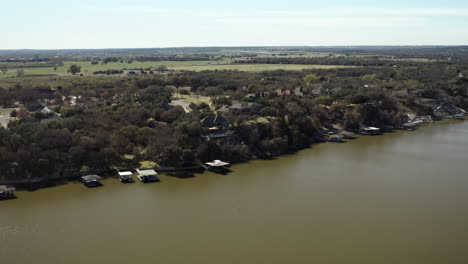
147,175
7,192
126,176
91,180
218,166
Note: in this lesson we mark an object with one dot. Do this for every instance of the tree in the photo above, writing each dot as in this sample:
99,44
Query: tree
74,69
4,69
20,73
310,79
162,68
23,112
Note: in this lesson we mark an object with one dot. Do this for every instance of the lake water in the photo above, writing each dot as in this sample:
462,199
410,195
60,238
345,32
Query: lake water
398,198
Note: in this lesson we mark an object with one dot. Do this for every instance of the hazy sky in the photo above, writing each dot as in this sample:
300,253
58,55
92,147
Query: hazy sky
51,24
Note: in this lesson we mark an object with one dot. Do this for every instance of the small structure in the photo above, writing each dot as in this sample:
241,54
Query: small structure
7,192
218,166
147,175
370,131
91,180
126,176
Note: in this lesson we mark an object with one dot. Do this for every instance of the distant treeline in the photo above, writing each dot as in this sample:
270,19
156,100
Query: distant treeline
353,61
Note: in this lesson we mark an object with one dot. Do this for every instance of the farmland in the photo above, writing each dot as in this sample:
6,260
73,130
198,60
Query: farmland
255,67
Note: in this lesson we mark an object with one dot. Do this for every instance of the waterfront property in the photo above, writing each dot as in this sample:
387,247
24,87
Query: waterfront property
126,176
91,180
218,166
7,192
147,175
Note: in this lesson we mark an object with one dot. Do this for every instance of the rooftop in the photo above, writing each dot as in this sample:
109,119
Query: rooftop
125,173
217,163
92,177
147,172
5,189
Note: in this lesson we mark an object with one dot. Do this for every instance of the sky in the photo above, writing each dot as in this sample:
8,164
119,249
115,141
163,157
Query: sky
88,24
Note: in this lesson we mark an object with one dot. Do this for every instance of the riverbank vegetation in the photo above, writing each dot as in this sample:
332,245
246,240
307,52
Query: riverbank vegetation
170,117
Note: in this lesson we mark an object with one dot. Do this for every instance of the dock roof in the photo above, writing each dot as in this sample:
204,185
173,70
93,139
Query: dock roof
5,189
92,177
147,172
217,163
125,173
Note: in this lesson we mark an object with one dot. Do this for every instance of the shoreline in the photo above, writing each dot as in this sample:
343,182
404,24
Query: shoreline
188,171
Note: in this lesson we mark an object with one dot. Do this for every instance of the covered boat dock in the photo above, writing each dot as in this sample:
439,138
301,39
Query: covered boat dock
126,176
147,175
91,180
7,192
218,166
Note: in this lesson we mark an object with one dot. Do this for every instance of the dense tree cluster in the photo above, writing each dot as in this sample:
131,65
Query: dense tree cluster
117,122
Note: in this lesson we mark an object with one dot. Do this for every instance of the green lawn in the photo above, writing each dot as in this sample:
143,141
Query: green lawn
256,67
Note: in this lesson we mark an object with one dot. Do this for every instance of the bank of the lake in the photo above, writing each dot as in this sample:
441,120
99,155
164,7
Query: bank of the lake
396,198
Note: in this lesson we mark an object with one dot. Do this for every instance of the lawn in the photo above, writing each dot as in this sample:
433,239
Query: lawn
256,67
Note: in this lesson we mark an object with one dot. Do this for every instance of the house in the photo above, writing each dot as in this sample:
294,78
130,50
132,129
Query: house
298,91
215,123
40,108
283,92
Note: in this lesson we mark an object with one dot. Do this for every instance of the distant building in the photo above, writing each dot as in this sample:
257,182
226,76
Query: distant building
258,95
40,108
298,91
283,92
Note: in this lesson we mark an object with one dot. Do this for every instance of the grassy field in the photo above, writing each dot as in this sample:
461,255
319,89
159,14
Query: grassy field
86,66
256,67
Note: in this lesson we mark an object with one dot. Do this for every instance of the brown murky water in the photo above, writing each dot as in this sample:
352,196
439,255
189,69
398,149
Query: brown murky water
398,198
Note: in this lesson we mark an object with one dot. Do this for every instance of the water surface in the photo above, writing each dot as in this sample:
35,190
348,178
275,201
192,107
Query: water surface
397,198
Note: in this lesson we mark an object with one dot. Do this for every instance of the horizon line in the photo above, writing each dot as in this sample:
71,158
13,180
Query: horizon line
241,46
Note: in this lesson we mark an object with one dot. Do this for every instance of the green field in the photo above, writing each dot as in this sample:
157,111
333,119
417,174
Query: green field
87,67
256,67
